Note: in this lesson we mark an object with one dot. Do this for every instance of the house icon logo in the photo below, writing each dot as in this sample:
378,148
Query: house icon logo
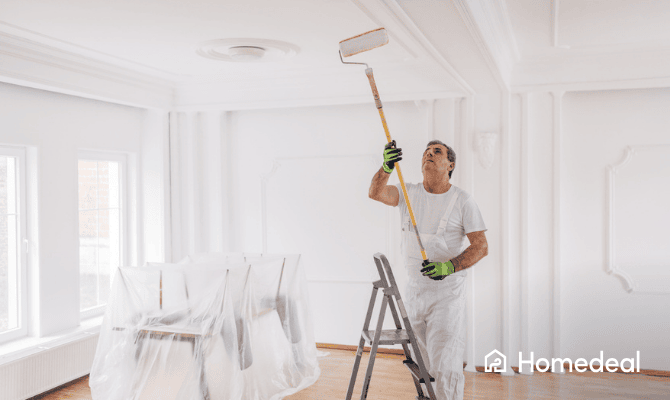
495,361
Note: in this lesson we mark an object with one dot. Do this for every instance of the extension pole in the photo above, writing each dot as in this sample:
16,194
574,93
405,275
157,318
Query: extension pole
378,103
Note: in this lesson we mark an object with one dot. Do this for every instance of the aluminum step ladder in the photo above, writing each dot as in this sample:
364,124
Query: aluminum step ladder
405,336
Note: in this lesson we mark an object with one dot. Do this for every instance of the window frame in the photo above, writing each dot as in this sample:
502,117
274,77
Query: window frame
22,254
122,159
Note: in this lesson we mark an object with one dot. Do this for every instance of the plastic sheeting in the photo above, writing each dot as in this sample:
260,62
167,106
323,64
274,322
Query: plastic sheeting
215,326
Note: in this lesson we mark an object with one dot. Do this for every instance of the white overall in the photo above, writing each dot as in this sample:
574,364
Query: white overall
437,309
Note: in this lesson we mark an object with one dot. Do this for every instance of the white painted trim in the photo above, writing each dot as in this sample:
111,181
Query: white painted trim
554,22
137,70
134,216
416,33
475,33
389,13
33,243
505,229
174,252
467,119
228,149
611,260
592,85
499,18
198,184
167,189
489,26
187,144
212,175
86,76
556,221
22,243
315,102
524,230
612,267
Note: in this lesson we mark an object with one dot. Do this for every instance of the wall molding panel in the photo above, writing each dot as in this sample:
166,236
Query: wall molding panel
524,255
556,235
506,229
466,176
554,22
643,278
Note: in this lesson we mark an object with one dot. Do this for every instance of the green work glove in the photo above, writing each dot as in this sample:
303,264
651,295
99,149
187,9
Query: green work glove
391,156
437,270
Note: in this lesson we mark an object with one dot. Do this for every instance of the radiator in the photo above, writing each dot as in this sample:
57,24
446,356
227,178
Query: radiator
47,367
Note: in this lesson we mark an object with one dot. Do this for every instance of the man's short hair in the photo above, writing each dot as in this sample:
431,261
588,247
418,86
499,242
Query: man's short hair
451,154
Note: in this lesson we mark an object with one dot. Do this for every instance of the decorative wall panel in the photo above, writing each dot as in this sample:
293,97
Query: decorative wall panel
639,216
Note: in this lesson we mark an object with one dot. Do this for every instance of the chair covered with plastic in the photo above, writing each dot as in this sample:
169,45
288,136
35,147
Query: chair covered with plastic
215,326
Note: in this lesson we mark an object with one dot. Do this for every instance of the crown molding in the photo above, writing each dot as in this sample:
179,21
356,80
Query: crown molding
313,101
45,63
389,14
490,27
589,86
28,62
343,84
576,71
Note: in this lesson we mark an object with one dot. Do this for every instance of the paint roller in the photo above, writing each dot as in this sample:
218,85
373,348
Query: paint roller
359,44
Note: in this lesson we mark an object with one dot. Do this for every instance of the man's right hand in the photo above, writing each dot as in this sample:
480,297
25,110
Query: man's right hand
391,156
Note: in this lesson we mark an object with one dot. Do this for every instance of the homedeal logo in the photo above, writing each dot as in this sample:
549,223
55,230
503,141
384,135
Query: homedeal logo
496,361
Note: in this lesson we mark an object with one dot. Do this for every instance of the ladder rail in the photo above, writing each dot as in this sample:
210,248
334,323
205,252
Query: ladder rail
373,350
361,342
390,293
410,332
396,318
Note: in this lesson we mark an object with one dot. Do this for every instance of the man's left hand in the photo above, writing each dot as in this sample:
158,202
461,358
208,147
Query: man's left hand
437,270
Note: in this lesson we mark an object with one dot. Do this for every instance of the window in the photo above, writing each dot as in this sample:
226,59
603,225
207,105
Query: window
101,227
13,292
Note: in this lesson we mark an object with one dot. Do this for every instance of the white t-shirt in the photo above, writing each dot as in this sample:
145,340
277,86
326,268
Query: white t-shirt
429,208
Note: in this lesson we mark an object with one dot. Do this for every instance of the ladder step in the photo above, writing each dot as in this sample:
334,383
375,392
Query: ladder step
388,336
414,369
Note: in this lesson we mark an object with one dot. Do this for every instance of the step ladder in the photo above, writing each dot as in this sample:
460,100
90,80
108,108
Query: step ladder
405,336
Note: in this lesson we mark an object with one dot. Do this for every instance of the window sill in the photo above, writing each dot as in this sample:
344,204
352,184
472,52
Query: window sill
27,346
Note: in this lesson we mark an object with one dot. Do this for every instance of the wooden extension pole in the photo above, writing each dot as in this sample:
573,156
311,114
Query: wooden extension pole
378,103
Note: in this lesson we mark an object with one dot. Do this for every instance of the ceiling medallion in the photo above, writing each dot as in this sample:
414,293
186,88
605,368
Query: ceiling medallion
247,50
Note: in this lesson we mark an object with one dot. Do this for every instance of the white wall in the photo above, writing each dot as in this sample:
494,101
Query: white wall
307,172
296,180
569,305
56,126
598,312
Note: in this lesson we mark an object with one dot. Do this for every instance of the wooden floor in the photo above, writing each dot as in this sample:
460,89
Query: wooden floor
391,381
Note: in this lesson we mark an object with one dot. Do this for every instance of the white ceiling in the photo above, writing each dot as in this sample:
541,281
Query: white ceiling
438,48
578,41
163,35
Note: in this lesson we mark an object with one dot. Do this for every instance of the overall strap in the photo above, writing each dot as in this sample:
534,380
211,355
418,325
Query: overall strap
445,217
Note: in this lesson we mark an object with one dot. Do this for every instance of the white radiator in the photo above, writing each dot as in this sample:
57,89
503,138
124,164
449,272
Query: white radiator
46,368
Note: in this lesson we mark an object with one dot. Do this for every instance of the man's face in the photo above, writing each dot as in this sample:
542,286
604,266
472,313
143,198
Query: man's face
435,160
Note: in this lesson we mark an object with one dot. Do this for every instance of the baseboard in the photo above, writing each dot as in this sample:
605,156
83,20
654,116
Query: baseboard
381,350
384,350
